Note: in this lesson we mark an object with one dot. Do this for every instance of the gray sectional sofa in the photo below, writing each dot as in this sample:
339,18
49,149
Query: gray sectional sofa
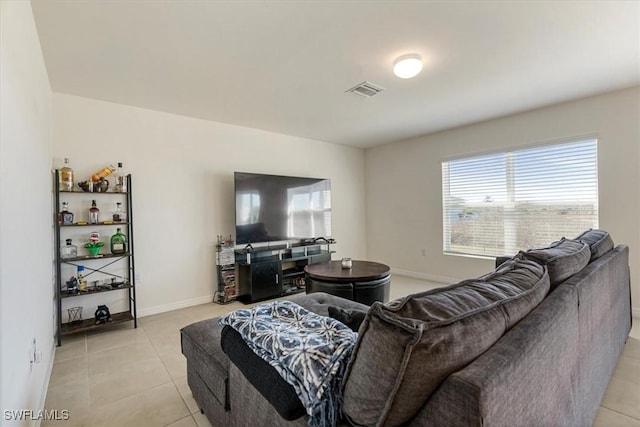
533,343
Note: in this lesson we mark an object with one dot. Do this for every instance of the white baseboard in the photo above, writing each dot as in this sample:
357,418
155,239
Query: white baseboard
424,276
43,396
148,311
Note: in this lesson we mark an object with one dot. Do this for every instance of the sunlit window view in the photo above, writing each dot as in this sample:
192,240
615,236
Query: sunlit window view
501,203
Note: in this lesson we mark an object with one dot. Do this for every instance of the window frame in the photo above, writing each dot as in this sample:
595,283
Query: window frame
446,220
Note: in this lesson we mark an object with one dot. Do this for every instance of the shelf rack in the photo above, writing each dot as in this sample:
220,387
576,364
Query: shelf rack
128,282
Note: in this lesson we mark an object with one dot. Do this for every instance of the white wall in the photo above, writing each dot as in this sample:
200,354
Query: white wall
404,183
182,170
26,250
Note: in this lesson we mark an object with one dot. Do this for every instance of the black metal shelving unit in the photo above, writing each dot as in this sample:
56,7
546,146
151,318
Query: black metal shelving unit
128,282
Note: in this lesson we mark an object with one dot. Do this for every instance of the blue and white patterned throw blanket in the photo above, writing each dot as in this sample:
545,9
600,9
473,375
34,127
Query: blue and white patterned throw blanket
308,350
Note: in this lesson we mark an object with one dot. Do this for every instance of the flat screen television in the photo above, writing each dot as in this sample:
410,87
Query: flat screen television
280,208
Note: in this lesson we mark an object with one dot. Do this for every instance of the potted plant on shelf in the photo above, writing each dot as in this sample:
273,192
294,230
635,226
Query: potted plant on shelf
94,244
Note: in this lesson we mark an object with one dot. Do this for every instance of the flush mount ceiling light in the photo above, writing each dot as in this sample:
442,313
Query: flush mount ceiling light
407,66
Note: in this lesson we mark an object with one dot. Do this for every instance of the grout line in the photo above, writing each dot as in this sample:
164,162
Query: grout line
620,413
177,421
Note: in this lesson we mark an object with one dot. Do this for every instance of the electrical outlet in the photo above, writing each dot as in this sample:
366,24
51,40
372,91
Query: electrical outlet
35,356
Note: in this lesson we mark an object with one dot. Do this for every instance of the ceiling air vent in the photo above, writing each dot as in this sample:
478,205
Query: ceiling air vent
365,89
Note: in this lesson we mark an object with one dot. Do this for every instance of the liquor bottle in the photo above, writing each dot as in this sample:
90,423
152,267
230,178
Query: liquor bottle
103,173
121,180
65,217
82,282
119,215
118,243
66,177
69,250
94,213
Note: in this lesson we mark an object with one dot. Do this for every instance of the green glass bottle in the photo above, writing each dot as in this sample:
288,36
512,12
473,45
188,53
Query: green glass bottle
118,243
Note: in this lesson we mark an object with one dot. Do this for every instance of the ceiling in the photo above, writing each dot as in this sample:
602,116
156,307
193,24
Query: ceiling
284,66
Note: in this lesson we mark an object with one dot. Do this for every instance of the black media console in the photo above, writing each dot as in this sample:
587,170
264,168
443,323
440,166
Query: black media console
270,272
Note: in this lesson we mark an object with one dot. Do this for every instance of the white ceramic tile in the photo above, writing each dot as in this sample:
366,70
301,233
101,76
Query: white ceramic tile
157,406
71,349
110,386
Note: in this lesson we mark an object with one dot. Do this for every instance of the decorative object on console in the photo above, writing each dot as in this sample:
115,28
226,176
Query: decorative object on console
102,314
75,315
346,263
94,244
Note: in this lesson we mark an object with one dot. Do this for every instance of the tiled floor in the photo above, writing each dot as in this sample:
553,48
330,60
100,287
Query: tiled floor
137,377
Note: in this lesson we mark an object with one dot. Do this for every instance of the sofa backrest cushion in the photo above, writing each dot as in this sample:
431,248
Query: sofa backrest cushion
407,347
563,259
599,241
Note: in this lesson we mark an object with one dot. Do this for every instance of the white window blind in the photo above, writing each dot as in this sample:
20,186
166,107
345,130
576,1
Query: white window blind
501,203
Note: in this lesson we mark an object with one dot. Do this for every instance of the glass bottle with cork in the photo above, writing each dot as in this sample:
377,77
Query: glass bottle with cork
121,180
66,177
94,213
118,243
119,215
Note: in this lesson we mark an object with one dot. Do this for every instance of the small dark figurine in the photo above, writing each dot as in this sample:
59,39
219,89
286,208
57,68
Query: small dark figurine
102,314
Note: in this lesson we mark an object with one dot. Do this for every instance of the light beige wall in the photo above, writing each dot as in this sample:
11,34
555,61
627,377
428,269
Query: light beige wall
404,183
26,223
182,170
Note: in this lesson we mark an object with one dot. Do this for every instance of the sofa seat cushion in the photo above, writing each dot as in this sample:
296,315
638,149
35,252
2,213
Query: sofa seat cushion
201,346
407,347
599,242
563,259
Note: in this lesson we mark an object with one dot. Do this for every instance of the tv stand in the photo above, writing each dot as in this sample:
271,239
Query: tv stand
265,273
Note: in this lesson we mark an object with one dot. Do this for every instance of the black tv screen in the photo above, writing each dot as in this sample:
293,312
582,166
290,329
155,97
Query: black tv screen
272,207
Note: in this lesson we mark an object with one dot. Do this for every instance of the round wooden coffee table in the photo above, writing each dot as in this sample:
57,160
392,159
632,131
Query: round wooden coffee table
365,282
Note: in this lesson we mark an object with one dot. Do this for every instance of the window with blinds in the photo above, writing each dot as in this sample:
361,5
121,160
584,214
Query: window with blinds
501,203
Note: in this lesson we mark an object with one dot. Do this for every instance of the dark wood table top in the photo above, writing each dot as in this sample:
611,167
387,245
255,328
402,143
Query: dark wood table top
360,271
